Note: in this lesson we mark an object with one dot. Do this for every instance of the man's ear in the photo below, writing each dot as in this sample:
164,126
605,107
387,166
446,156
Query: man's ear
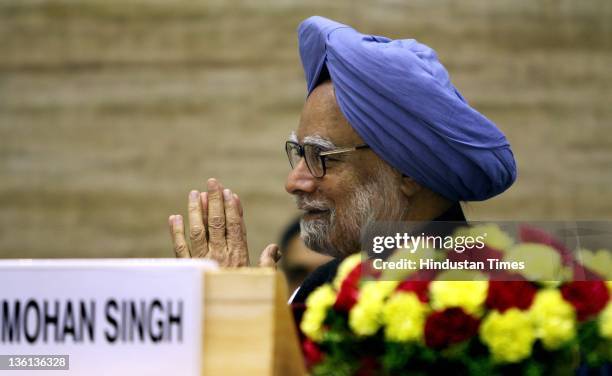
409,186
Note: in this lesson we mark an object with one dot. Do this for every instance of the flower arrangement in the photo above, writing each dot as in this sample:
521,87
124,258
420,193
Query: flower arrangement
370,326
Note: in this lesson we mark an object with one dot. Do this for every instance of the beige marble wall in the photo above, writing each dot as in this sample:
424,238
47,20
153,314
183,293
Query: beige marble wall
111,111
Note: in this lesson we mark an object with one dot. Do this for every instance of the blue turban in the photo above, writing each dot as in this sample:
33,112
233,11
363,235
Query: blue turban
399,99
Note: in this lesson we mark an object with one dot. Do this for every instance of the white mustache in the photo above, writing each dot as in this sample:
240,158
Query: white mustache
304,203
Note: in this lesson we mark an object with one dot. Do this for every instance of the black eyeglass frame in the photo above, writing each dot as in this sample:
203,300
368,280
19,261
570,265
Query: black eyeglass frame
321,154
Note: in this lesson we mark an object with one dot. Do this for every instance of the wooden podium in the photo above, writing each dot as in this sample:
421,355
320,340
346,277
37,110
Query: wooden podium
248,326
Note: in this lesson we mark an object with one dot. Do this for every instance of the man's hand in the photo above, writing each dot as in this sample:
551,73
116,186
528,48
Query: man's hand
216,229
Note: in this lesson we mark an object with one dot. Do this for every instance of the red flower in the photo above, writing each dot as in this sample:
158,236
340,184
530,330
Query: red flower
503,295
450,326
349,291
420,288
587,297
369,367
312,353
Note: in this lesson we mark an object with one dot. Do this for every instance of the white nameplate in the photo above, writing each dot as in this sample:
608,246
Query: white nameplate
111,317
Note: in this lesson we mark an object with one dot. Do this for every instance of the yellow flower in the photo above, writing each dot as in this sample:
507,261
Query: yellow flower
317,304
600,262
461,275
469,295
345,268
542,263
554,318
509,335
365,318
404,317
605,322
493,236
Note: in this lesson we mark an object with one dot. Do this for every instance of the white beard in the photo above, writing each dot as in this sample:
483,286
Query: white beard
378,199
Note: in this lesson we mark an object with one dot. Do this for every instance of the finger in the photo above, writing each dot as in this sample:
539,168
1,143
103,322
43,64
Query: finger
242,225
217,243
239,204
270,256
197,231
178,237
236,244
170,228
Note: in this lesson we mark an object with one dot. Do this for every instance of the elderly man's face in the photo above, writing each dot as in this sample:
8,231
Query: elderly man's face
358,186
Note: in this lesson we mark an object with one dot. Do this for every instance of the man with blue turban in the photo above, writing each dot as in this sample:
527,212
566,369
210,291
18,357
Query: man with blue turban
383,136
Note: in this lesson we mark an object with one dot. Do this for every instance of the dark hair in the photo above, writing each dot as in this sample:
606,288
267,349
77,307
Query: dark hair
292,229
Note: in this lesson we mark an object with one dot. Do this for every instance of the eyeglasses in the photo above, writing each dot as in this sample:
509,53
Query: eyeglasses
314,155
